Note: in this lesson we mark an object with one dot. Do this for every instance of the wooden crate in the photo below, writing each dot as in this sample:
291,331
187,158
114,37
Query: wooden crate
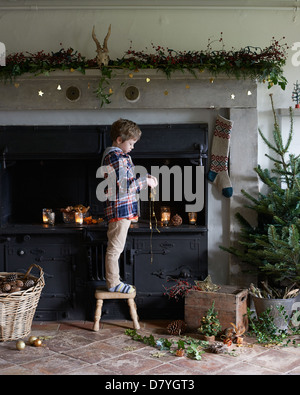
230,303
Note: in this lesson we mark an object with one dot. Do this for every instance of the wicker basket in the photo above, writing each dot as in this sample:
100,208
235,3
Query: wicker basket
18,308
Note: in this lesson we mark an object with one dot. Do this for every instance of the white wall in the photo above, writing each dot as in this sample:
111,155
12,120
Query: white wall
177,29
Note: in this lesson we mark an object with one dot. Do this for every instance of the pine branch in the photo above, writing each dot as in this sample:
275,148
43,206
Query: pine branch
290,136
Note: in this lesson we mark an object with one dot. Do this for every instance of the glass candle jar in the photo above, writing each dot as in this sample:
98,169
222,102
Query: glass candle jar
165,215
51,218
46,212
192,218
78,218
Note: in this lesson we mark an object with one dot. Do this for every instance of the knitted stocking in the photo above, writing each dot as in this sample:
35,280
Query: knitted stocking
218,172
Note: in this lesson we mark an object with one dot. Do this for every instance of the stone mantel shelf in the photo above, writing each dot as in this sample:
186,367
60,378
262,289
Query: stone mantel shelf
155,91
285,112
137,74
194,97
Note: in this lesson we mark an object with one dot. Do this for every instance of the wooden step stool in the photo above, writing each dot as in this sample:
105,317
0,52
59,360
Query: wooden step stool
101,294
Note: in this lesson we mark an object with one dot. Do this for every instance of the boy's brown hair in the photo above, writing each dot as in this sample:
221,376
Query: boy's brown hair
125,129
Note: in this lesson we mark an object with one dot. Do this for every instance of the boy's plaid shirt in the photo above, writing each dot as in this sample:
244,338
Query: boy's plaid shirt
123,186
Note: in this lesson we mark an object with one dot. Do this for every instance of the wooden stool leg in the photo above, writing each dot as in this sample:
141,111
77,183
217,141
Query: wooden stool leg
133,313
97,315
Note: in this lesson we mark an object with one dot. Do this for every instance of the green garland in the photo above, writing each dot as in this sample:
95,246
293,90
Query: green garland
264,65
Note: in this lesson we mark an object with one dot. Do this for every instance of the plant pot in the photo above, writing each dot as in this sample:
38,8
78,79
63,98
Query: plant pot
263,304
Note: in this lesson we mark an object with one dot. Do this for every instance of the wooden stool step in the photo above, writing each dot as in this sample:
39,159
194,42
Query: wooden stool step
102,294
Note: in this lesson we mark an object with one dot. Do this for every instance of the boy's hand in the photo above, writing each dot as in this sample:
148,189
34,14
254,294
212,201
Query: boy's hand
152,181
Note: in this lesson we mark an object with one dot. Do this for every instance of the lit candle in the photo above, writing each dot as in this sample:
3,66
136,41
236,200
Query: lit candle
165,215
46,212
192,218
78,218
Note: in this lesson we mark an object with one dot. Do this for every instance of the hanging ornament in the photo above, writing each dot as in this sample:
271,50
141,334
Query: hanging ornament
130,75
166,93
41,93
152,215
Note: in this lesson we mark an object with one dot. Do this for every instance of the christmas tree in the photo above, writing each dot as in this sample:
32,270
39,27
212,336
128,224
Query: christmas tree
296,94
210,324
272,247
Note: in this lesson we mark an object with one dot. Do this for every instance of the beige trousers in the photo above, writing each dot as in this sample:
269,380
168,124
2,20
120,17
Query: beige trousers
116,235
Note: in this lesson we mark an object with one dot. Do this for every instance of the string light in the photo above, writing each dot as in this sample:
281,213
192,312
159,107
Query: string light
58,87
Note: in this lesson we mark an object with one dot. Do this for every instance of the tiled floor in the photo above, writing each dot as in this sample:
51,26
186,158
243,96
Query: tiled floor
72,348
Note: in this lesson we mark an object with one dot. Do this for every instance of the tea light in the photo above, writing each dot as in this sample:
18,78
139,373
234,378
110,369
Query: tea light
78,218
192,218
46,212
165,215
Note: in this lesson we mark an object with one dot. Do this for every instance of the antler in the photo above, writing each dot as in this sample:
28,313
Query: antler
102,52
96,40
106,39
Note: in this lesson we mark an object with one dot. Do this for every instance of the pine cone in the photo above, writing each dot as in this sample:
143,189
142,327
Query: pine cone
176,220
28,284
6,287
217,348
176,327
11,277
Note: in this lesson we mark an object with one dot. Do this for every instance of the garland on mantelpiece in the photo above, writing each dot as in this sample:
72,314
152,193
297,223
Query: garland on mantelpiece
264,65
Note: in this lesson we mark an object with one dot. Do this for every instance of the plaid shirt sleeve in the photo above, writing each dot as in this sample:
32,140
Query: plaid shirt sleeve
123,187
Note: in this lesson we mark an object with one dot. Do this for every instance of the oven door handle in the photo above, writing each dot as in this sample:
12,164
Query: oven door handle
133,252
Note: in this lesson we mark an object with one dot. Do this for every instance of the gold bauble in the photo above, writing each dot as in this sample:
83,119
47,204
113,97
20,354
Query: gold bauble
37,343
20,345
32,339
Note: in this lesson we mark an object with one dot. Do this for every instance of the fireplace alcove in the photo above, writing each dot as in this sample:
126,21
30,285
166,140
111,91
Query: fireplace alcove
73,257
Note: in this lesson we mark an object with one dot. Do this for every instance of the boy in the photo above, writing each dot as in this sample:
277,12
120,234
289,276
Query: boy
122,206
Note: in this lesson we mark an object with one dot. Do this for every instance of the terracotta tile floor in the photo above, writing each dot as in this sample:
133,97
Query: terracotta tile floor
72,348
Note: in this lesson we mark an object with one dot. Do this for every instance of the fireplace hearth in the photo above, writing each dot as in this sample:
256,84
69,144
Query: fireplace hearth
56,167
69,252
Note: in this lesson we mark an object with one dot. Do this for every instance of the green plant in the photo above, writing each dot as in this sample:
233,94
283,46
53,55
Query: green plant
210,324
262,64
272,247
194,348
264,328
